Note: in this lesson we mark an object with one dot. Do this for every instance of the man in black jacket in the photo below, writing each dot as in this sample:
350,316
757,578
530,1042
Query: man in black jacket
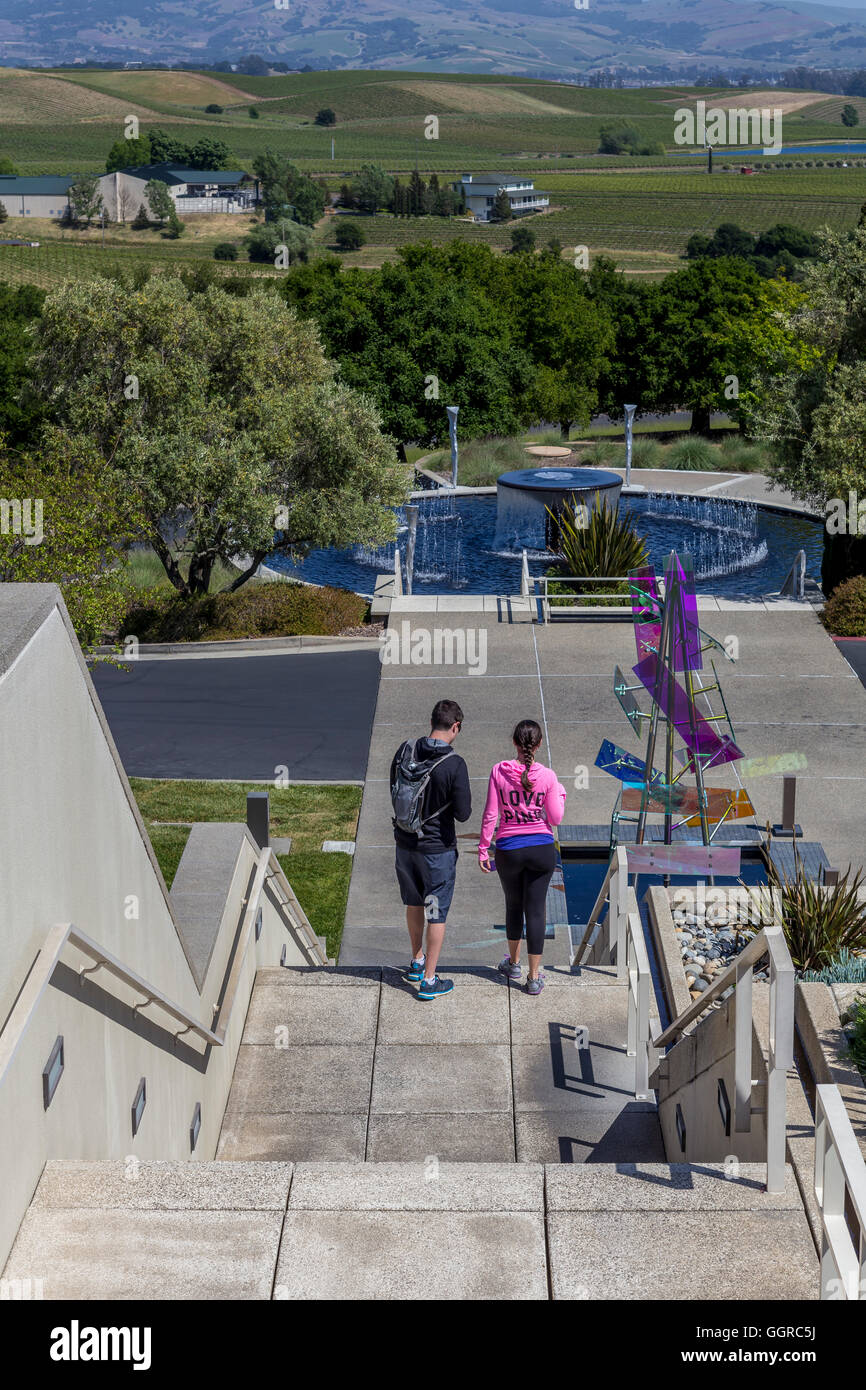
426,866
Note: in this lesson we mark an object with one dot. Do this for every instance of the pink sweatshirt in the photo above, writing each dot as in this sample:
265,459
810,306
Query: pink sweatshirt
520,812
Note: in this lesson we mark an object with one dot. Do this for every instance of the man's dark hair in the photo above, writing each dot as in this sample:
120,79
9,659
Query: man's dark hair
445,713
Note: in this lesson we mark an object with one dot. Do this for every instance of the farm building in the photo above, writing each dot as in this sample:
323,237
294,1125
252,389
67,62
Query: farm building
193,190
480,192
41,196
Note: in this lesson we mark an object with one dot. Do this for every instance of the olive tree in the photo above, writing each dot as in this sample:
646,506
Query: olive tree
222,416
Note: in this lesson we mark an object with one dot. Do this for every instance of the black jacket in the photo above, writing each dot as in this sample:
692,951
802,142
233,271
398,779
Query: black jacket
446,799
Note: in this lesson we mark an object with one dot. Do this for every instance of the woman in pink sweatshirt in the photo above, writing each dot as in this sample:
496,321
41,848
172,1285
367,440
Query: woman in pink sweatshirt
527,801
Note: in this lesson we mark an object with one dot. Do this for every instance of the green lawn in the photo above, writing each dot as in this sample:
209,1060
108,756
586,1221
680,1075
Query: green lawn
309,814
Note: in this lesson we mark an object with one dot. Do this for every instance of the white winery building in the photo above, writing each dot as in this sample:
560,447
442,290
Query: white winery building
480,192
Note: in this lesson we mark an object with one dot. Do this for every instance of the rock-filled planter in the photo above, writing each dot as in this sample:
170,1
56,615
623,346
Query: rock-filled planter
709,939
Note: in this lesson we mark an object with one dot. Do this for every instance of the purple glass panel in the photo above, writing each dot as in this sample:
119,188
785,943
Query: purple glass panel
685,616
673,700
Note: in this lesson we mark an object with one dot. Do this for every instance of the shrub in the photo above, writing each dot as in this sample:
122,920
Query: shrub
607,544
739,456
692,452
349,236
253,113
645,453
818,922
279,609
326,116
845,610
601,451
857,1035
225,251
214,109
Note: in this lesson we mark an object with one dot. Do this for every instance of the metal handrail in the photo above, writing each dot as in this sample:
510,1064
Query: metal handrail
68,934
768,942
639,1043
543,581
839,1169
615,887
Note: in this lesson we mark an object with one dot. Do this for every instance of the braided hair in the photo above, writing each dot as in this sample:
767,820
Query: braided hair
527,738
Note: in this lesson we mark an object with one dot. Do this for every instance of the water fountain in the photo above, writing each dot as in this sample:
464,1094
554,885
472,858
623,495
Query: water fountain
524,497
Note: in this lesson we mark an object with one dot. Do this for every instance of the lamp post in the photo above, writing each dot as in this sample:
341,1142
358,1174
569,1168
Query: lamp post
412,524
629,417
451,412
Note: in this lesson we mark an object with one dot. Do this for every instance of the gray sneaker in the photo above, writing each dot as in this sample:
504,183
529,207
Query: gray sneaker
507,968
535,986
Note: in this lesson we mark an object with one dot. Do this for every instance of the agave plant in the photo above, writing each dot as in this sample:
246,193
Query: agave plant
819,921
598,544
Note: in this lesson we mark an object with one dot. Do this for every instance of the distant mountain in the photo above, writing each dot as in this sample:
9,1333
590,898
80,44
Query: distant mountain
543,38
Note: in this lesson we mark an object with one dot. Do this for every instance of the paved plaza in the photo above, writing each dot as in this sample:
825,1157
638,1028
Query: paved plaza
790,691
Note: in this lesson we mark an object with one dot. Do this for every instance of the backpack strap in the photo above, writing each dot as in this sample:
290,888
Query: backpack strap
433,814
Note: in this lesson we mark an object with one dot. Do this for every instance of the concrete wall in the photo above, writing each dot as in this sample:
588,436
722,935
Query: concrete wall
74,850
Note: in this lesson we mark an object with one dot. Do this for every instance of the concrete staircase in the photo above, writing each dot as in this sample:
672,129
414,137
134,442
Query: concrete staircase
375,1147
349,1064
117,1230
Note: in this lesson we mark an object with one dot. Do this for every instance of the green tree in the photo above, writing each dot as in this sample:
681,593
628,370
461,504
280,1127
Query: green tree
810,401
127,154
3,213
213,108
286,191
698,307
451,338
253,113
174,227
225,251
167,149
850,115
373,188
141,221
265,242
522,240
501,210
20,412
237,422
208,153
6,166
159,200
85,199
416,190
349,236
84,520
325,116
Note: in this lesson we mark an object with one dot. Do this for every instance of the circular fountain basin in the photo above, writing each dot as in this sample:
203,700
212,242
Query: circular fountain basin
526,497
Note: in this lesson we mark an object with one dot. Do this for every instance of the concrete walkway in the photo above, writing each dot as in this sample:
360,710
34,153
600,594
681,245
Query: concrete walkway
791,690
351,1065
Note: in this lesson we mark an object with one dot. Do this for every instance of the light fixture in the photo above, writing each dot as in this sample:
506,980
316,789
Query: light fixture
138,1106
52,1072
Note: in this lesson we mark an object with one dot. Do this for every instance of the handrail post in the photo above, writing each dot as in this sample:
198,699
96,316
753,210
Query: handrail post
619,907
743,1049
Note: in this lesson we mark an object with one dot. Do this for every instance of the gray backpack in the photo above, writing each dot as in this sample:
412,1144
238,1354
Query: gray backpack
408,787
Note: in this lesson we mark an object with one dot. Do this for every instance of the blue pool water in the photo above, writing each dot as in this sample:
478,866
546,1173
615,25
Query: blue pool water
720,151
583,879
738,550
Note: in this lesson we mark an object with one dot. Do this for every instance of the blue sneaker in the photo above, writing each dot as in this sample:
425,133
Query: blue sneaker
509,969
436,987
415,973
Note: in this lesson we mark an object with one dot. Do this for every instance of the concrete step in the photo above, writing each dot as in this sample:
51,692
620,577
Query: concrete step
349,1064
151,1230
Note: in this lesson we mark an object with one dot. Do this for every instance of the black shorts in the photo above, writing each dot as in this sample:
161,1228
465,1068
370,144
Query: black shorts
427,880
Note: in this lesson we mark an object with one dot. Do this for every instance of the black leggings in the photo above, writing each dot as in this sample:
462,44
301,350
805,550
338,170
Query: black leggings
525,875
